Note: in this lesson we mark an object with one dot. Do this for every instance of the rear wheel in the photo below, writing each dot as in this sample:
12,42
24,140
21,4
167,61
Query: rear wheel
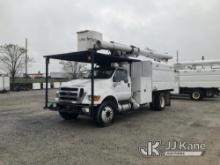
68,115
209,93
106,113
197,95
159,102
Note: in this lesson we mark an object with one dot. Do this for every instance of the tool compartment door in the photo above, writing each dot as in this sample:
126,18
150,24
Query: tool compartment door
141,73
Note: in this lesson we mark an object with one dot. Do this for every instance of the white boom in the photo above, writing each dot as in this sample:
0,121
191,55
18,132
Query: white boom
130,50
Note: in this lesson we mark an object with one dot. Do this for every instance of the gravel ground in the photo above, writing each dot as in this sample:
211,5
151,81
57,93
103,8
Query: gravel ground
31,135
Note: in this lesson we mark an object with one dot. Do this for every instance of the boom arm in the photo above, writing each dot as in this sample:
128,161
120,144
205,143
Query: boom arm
130,50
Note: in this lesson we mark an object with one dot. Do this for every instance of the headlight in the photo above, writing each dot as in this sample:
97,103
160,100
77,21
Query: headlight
95,98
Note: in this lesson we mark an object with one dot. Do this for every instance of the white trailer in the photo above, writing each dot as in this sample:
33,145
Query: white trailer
198,79
4,83
126,79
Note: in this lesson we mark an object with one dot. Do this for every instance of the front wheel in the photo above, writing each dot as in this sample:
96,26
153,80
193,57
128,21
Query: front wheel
105,113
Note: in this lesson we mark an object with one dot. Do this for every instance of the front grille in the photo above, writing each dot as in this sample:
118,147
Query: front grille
68,89
70,94
68,98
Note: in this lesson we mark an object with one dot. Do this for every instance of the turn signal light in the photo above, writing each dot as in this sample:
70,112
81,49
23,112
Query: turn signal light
95,98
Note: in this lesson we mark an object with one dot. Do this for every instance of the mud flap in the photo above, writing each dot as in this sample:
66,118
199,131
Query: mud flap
167,99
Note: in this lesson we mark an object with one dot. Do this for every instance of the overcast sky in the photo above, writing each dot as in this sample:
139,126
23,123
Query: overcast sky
191,26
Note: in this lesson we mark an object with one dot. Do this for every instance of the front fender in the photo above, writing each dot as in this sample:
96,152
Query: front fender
103,94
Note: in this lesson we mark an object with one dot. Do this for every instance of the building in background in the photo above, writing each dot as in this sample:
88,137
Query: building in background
60,75
36,75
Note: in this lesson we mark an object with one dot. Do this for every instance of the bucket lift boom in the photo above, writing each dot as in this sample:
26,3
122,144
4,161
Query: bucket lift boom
130,50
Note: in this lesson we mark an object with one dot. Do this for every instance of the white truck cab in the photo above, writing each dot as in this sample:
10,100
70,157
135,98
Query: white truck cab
108,81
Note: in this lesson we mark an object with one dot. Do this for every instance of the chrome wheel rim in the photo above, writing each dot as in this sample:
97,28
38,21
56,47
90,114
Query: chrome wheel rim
107,114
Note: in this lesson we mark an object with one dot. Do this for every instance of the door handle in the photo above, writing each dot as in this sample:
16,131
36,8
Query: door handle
128,84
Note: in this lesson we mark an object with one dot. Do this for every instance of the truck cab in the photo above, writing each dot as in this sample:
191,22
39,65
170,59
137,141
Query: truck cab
111,83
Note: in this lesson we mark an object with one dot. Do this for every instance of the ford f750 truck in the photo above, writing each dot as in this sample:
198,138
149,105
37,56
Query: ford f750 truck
125,79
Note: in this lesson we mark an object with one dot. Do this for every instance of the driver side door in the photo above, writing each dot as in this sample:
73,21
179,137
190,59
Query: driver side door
121,85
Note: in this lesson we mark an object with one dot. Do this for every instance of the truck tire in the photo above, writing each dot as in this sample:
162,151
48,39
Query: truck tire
159,102
209,93
68,115
197,95
106,113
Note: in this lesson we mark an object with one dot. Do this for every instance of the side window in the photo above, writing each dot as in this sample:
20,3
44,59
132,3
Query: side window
124,76
120,75
116,77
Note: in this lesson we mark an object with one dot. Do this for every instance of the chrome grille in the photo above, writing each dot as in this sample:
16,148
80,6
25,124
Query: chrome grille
68,89
70,94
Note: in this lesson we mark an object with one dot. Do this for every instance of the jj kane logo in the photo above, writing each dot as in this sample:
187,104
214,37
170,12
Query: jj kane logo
172,148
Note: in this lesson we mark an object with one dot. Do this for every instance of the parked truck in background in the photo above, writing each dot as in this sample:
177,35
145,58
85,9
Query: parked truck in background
198,79
119,86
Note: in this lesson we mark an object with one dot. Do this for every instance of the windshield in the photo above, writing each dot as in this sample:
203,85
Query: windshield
100,73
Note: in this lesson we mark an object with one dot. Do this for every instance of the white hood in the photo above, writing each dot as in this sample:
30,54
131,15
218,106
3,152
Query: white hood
86,83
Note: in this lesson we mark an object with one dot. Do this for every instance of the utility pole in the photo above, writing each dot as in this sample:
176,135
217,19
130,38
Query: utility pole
26,56
177,56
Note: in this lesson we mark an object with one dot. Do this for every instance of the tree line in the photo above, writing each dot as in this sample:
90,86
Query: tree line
12,61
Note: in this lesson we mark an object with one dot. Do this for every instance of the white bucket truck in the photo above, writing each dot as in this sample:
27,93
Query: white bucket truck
125,79
198,79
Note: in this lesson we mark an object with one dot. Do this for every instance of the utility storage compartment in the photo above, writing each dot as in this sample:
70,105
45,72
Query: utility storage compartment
141,74
209,78
162,77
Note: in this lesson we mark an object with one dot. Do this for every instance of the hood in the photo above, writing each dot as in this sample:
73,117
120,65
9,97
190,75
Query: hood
86,83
